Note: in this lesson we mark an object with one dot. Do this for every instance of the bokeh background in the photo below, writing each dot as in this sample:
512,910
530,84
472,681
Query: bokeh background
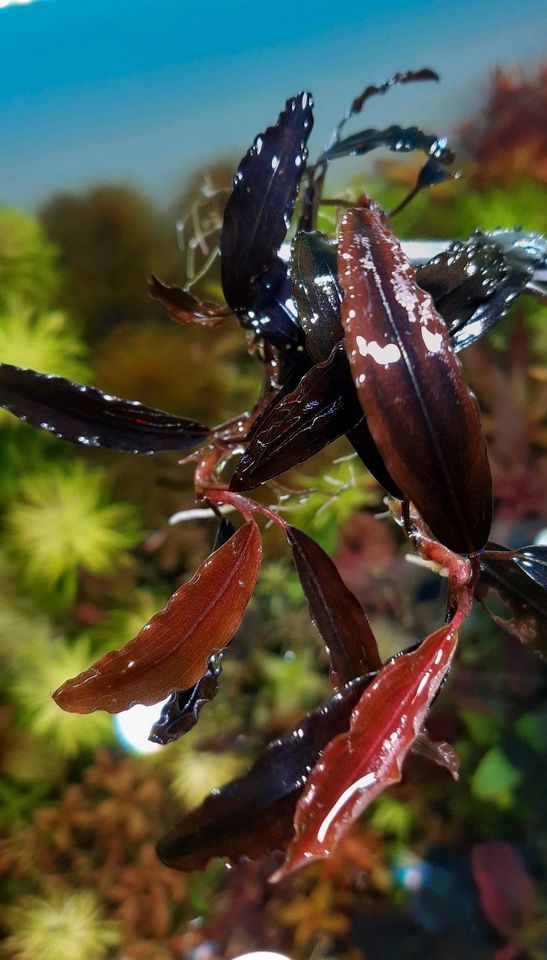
121,125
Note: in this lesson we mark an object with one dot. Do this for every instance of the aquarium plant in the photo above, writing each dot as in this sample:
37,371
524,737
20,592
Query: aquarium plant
356,338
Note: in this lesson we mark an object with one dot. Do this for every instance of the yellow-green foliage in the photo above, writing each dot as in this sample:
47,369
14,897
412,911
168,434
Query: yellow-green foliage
62,523
61,926
42,341
27,259
45,663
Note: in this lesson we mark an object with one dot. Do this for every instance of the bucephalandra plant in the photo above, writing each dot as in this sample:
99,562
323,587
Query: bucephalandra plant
354,340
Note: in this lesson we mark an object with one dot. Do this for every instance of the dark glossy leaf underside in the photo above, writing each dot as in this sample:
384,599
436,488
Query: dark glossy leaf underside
411,387
473,285
173,649
258,212
335,611
253,815
94,419
520,586
273,314
395,138
181,711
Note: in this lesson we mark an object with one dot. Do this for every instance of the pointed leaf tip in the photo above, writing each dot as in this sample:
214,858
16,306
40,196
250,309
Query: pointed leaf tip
92,418
172,650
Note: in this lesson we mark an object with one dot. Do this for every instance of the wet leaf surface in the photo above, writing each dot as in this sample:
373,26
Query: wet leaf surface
533,561
473,285
395,138
253,815
183,307
519,585
259,209
419,410
358,765
273,314
322,408
182,710
94,419
334,610
314,271
172,650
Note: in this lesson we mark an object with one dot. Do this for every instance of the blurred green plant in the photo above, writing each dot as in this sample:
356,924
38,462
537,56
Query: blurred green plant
63,926
28,259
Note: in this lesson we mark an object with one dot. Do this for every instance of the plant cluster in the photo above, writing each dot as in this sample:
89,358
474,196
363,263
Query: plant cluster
355,340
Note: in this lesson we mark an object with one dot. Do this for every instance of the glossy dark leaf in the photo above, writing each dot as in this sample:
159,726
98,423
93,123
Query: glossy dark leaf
473,285
259,209
225,530
358,765
253,815
183,307
519,585
172,650
181,711
314,272
335,611
533,561
322,408
430,175
407,76
395,138
94,419
419,410
273,314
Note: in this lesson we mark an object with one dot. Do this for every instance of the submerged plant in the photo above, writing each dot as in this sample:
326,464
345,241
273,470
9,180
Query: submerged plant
355,340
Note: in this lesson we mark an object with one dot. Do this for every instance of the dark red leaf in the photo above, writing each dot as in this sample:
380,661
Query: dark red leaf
253,815
257,214
334,610
322,408
419,410
507,893
95,419
358,765
172,650
314,273
519,586
181,712
184,307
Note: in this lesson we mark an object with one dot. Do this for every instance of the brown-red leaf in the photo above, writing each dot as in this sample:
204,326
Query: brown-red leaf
419,410
358,765
183,307
172,650
335,611
253,815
